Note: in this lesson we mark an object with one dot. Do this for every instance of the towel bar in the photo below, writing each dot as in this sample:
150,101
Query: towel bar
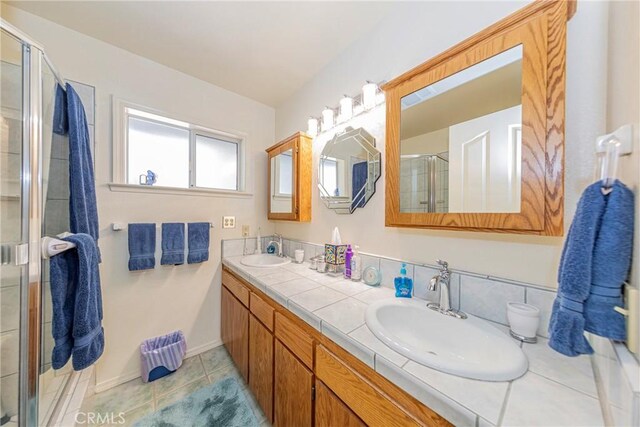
52,246
119,226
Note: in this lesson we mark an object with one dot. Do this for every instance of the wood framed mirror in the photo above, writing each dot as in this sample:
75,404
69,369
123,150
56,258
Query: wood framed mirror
475,136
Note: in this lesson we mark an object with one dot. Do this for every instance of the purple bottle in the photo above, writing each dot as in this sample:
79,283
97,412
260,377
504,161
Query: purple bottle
347,262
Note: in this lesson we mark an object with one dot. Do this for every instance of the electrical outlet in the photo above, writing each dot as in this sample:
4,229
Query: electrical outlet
245,231
228,222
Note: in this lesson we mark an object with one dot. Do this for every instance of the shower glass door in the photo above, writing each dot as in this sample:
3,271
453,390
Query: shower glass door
14,232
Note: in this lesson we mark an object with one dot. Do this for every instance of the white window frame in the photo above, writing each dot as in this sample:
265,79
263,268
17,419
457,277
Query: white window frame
121,150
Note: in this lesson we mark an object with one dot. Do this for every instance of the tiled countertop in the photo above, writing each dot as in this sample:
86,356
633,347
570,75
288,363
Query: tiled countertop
556,391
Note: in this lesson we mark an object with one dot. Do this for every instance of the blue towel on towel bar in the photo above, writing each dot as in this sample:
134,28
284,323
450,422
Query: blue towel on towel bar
594,265
76,304
172,243
70,118
198,242
142,246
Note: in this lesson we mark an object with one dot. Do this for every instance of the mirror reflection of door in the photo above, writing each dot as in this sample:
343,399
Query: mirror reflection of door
461,140
282,182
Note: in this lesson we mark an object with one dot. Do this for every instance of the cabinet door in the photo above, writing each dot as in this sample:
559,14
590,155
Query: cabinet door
235,331
331,411
261,366
293,388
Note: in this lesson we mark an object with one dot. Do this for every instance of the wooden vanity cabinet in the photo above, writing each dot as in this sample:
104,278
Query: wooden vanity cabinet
261,365
301,378
331,411
235,331
293,405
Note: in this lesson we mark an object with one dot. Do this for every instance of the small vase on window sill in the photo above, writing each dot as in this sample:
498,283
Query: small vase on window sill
149,178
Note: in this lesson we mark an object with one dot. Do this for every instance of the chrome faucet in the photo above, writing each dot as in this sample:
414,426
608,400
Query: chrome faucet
442,281
279,243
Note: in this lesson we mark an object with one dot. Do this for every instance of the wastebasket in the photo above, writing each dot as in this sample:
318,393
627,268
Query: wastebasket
162,355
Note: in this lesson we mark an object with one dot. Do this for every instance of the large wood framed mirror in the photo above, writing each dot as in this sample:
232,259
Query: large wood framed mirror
475,136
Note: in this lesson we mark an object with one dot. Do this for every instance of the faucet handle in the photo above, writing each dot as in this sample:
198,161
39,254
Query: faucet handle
443,264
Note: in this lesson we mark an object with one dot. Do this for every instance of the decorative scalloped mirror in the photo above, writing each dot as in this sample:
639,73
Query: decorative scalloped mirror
348,170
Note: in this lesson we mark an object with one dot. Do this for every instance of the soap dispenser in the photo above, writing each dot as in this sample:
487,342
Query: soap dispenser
403,284
347,262
356,265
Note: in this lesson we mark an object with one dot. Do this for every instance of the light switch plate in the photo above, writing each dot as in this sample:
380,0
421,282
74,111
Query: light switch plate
245,231
228,222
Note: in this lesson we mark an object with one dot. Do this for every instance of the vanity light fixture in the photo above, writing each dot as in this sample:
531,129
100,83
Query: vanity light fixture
349,107
346,109
327,119
369,91
312,127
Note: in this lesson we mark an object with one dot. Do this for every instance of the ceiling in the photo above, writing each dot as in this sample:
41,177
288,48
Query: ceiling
495,91
263,50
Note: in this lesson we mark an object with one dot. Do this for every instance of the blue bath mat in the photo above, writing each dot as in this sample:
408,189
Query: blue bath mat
222,404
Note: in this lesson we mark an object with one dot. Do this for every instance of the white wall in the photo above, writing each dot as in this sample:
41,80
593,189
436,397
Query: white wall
407,38
623,101
145,304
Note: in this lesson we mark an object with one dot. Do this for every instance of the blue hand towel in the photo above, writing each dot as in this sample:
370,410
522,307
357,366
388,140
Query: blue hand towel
77,304
611,265
142,246
198,242
172,243
580,268
70,117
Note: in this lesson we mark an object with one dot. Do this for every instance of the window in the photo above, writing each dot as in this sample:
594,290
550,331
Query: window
178,154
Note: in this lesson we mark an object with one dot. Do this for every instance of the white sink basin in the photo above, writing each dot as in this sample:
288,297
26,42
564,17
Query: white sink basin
264,260
470,348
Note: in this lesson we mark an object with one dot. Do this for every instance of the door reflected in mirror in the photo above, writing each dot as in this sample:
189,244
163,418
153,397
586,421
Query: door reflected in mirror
282,182
460,140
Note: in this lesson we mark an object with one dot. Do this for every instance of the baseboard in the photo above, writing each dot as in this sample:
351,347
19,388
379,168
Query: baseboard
121,379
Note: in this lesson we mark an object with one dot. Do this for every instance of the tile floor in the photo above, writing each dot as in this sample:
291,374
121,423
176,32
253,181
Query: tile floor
137,399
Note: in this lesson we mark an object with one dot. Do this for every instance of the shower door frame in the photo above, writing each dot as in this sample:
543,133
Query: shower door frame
31,190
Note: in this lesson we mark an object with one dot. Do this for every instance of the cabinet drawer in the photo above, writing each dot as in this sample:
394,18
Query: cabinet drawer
236,287
368,402
296,339
262,311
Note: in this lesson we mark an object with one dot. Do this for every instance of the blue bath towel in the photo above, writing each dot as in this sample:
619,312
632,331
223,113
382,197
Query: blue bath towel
172,243
359,180
586,258
142,246
76,304
69,117
198,242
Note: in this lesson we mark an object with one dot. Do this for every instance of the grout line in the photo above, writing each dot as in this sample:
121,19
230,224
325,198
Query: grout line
597,397
503,409
357,327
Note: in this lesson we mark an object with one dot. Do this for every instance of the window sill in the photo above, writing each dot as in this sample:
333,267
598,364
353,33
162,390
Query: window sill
200,192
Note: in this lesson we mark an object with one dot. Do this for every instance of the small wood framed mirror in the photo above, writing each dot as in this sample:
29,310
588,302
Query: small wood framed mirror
289,172
475,136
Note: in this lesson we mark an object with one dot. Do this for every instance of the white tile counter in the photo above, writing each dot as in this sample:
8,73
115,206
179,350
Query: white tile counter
556,391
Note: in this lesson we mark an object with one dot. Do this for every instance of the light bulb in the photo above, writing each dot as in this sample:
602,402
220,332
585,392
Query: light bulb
312,126
346,109
327,118
369,95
